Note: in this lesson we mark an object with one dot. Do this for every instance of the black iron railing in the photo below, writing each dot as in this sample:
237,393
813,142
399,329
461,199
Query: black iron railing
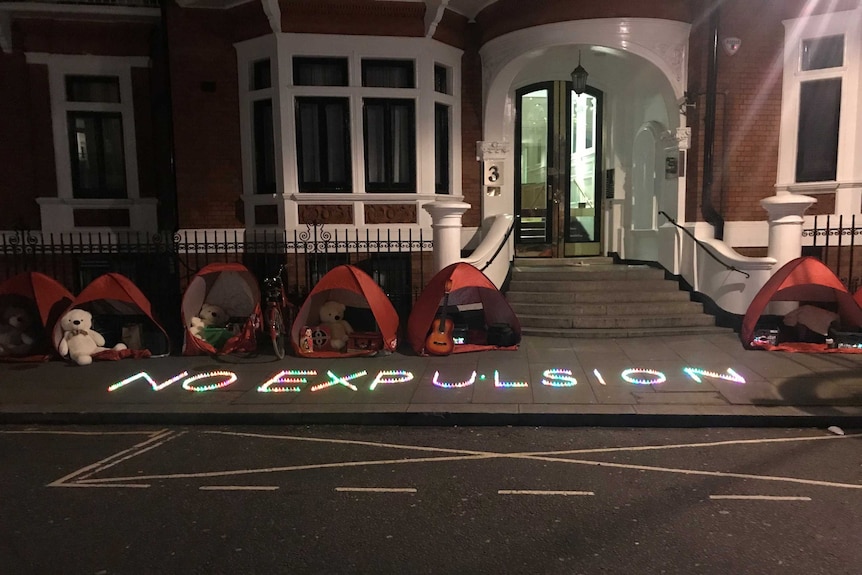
833,240
162,264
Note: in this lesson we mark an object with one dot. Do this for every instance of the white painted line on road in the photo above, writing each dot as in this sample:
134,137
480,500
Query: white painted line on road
59,432
376,489
761,497
132,485
541,492
136,449
293,468
238,487
685,445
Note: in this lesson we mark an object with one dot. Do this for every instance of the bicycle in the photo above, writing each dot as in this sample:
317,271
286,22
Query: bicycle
276,309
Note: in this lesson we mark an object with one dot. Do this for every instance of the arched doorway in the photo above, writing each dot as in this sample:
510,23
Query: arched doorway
558,163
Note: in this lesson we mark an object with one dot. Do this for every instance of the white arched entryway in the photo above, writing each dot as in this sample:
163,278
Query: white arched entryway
638,64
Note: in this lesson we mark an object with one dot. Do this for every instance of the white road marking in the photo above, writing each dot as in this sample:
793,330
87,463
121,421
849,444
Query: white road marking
465,455
761,497
59,432
290,468
687,445
376,489
541,492
238,487
154,441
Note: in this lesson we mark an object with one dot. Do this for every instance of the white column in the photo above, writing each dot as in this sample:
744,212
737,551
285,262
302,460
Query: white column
446,225
785,236
785,225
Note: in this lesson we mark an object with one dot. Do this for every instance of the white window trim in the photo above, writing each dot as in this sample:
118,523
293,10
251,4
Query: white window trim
57,212
848,184
281,49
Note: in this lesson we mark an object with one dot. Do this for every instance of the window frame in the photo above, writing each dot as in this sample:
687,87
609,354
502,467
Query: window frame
102,191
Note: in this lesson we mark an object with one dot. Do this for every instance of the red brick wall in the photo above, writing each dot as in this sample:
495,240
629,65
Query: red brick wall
748,105
81,37
471,129
206,123
365,17
26,149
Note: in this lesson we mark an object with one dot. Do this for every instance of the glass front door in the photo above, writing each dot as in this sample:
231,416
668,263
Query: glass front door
557,188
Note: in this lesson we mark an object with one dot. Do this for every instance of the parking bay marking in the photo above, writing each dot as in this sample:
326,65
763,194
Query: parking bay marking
760,497
464,456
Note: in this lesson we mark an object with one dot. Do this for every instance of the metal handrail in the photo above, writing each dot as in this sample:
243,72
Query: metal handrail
500,247
703,246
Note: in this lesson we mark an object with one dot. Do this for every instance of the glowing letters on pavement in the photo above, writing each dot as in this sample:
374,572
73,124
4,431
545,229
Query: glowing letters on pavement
295,380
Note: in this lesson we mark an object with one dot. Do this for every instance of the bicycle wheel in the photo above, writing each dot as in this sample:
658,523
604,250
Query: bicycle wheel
276,331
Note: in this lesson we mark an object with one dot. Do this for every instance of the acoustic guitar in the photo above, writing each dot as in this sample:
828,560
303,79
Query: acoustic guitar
439,341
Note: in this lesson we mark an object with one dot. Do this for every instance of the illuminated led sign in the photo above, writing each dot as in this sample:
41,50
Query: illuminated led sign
296,380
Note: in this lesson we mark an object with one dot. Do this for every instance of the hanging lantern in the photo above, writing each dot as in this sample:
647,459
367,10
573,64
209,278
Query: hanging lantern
579,78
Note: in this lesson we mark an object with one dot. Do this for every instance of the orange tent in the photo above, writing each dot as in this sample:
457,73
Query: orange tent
232,287
42,296
804,279
469,287
355,289
117,303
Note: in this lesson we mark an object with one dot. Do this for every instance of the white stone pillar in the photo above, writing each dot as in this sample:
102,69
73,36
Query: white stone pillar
785,225
446,224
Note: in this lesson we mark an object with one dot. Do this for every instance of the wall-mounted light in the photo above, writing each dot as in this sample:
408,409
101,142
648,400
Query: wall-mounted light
579,77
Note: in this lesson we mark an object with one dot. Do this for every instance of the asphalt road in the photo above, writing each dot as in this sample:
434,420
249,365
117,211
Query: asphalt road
332,500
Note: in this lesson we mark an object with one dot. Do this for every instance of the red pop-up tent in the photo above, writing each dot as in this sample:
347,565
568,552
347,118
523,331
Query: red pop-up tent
232,287
121,314
355,289
469,288
41,297
804,279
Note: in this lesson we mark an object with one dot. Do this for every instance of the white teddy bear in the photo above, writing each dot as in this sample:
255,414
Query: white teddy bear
210,315
15,336
332,317
80,342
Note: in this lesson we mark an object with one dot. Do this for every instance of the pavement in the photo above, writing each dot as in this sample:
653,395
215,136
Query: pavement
685,381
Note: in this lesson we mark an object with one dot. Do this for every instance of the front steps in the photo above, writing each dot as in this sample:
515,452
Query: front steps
595,298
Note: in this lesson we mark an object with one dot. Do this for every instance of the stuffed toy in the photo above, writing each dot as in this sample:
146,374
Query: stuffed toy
332,317
210,315
16,335
80,342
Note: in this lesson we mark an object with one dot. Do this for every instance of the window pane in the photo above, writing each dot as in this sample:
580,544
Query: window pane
390,145
323,144
114,163
97,155
93,89
309,144
264,148
375,143
402,146
261,75
336,137
441,79
819,115
820,53
441,149
320,72
387,73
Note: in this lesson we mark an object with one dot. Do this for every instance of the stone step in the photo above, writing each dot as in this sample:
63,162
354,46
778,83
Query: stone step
587,273
563,262
593,284
615,321
599,296
627,309
610,333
